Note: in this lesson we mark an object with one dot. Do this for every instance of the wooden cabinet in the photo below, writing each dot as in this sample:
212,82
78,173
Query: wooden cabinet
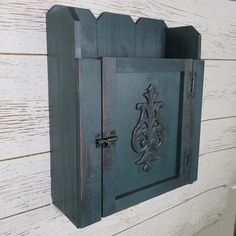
125,107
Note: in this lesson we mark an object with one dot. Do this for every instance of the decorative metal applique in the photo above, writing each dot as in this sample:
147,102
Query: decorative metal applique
147,135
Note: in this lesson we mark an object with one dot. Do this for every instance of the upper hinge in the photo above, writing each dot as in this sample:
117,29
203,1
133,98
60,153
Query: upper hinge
191,86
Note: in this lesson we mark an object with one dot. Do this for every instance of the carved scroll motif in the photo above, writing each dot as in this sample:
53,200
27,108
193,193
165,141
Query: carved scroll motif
147,135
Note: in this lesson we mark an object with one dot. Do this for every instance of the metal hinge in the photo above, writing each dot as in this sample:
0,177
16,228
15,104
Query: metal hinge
191,89
106,139
188,163
189,159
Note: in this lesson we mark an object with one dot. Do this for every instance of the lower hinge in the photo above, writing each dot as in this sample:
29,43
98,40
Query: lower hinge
188,163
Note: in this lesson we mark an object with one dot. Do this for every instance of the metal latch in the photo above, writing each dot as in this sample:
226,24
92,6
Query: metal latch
107,139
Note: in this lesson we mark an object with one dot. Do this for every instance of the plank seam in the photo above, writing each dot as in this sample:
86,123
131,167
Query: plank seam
45,54
208,225
218,59
170,208
219,150
218,118
22,212
40,153
22,54
19,157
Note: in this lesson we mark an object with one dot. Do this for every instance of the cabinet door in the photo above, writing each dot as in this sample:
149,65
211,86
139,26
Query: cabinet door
153,106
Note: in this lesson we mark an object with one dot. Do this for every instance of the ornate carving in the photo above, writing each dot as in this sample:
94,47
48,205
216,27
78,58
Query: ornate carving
147,135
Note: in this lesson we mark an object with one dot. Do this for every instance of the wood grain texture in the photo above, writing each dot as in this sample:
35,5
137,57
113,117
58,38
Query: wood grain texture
48,221
88,125
24,101
24,106
185,219
108,124
62,111
116,35
208,189
27,22
150,38
219,91
217,135
24,184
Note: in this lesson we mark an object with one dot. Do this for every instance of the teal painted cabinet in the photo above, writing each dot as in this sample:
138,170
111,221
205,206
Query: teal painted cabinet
125,110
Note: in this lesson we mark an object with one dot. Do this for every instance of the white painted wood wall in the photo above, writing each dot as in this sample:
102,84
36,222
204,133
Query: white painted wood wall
25,202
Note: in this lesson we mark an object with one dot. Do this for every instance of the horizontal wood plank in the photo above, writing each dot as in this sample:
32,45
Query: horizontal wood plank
25,185
202,210
186,219
27,23
219,92
217,135
24,119
24,122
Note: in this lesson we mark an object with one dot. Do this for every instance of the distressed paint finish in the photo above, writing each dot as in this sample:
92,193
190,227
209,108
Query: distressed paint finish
26,127
117,79
24,184
89,156
75,161
62,111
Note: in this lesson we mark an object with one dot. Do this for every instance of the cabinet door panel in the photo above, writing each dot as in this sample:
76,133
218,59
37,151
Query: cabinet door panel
130,90
147,102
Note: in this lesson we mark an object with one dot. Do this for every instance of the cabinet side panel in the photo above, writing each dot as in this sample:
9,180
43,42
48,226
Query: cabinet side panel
88,126
183,42
62,106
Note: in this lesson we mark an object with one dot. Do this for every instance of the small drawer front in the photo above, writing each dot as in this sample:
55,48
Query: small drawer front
151,105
